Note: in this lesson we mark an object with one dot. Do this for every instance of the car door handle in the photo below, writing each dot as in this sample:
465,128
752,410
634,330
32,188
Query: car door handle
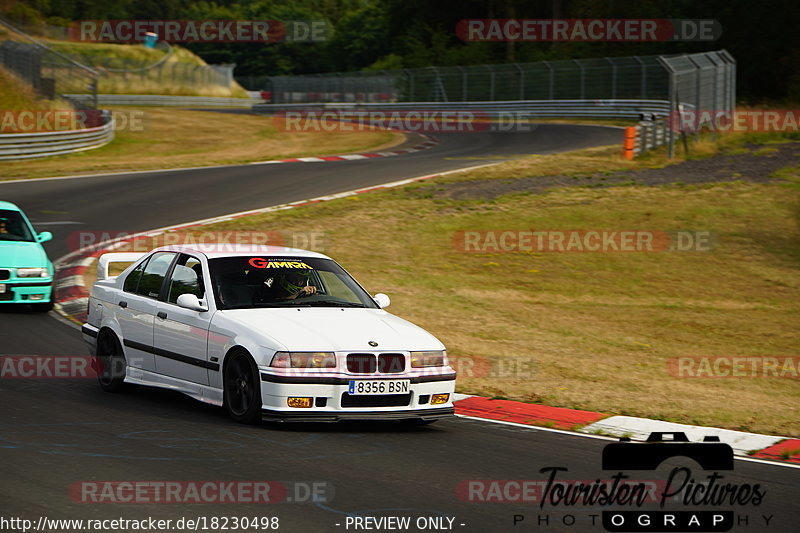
161,314
123,304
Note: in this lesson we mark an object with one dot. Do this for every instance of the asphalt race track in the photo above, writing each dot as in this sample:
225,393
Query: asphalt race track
55,433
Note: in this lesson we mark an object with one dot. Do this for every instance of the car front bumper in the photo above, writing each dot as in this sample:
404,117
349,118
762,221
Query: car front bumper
332,401
26,292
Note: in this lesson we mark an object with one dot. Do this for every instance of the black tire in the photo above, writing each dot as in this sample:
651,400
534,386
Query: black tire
43,307
242,388
111,363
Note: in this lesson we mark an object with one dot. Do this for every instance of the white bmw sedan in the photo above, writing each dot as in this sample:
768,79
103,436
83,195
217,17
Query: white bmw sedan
270,333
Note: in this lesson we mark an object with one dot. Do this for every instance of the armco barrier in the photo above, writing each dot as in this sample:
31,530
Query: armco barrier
33,145
651,134
646,135
607,109
165,100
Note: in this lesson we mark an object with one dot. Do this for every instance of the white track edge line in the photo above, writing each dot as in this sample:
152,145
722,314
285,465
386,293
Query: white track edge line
603,437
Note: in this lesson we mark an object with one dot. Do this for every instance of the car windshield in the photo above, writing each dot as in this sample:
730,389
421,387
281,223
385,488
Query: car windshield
269,281
13,227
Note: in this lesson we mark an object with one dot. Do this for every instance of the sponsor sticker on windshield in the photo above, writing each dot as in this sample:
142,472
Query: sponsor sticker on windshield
258,262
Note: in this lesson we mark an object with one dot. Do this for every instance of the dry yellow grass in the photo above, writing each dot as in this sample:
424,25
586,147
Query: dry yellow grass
173,138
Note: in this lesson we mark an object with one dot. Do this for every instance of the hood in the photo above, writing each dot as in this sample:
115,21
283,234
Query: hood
17,254
335,329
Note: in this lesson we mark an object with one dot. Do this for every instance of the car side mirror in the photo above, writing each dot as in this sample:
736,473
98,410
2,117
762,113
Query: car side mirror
382,300
190,301
44,236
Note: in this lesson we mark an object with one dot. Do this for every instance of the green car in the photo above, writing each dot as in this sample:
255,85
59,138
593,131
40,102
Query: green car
26,274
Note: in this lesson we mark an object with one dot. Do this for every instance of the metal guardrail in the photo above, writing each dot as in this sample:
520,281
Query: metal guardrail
651,134
166,100
33,145
624,109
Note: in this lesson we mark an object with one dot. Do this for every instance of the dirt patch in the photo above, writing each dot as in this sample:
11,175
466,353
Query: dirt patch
755,166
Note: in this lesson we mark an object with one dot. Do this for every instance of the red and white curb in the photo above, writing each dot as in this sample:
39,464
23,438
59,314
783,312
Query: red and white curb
430,142
591,423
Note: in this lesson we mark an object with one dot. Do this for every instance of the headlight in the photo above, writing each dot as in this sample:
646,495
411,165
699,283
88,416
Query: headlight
428,359
37,272
304,360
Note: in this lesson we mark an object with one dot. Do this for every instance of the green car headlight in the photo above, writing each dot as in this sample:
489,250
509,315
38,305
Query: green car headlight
36,272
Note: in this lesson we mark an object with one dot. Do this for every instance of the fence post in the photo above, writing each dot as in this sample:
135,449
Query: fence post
643,77
613,77
547,64
491,82
583,78
715,105
673,105
697,91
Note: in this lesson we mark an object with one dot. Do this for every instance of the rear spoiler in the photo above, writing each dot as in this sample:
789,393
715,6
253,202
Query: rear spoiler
119,257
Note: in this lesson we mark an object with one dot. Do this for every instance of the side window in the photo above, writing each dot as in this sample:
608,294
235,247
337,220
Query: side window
154,274
187,278
132,281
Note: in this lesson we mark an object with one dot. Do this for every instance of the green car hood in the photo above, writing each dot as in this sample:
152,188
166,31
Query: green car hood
16,254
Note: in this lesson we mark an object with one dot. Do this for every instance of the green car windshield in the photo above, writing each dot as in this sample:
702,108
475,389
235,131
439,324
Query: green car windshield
269,281
13,227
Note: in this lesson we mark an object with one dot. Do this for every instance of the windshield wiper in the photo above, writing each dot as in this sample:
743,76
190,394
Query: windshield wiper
328,303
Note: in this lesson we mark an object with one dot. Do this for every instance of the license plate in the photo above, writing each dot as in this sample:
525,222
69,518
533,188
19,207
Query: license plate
381,386
2,288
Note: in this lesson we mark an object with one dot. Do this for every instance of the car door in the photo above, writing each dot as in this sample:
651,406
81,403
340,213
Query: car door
137,306
181,335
